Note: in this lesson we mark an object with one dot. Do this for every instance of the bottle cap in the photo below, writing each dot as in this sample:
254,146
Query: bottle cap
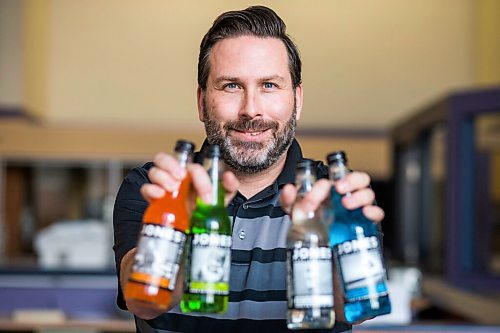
336,156
213,151
305,164
184,145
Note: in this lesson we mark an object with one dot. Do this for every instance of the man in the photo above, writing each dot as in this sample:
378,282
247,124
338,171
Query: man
249,98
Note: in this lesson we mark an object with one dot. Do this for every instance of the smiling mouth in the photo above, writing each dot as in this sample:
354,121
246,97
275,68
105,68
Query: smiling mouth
250,133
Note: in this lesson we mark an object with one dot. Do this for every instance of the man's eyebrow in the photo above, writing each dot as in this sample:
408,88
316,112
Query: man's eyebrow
224,78
273,78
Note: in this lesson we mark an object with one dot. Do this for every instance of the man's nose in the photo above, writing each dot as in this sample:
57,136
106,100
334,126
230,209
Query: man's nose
250,107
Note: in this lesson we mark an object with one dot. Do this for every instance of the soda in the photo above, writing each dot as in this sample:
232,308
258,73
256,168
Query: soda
206,284
161,242
357,254
309,262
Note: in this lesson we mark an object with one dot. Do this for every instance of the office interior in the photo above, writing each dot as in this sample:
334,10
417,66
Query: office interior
409,89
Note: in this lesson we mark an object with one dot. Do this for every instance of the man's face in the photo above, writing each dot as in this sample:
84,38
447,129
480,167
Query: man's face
250,107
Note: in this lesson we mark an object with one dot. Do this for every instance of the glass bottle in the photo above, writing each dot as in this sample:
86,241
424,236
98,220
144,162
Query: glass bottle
309,262
357,253
206,284
161,241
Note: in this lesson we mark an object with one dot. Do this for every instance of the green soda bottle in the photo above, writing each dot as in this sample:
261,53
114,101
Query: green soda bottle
206,284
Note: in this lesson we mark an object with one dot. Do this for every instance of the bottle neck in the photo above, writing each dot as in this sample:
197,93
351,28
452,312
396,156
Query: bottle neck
338,170
184,157
304,181
215,170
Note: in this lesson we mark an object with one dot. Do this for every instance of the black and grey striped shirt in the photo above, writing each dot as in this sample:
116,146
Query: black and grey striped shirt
257,299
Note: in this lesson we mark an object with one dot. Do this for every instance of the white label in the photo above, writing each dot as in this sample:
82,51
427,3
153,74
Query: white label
210,263
312,277
159,252
360,260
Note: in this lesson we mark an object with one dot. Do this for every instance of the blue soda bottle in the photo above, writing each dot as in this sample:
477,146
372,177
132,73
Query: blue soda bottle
357,253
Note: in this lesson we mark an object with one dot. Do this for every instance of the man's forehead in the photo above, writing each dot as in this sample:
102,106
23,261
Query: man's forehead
247,54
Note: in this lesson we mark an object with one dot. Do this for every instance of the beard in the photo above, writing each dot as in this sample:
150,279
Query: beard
250,156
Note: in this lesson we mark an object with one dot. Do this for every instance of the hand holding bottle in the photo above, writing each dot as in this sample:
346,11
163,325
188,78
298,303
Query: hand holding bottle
356,183
361,195
167,174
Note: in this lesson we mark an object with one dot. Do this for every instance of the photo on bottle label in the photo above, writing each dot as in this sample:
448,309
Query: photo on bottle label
359,266
210,264
157,257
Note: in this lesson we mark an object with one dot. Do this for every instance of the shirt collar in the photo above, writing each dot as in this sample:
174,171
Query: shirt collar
293,156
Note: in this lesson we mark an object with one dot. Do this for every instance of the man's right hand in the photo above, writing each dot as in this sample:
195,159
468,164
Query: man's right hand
166,176
142,310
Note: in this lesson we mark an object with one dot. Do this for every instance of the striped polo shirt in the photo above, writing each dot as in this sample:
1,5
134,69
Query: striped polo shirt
257,298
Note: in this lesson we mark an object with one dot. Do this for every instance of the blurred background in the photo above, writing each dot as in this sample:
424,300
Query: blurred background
409,89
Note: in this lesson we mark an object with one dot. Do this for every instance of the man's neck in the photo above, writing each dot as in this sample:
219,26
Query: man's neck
253,183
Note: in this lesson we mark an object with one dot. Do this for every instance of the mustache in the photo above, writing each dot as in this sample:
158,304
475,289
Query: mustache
251,125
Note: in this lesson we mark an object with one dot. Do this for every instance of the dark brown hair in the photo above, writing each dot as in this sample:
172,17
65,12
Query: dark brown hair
256,21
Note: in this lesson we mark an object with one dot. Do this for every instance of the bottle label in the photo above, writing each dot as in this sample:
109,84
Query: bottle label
310,277
361,268
159,254
210,264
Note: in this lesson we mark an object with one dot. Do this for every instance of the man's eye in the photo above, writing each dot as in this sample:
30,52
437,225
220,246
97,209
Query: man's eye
269,85
231,86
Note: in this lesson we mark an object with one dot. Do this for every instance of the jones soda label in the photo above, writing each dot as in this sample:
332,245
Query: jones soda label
210,264
159,253
310,275
360,262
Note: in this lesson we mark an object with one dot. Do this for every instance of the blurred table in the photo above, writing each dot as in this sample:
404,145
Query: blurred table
69,325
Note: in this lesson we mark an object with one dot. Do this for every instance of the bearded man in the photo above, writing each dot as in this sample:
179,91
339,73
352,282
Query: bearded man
249,99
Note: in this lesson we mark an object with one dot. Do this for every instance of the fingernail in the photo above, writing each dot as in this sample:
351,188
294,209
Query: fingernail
172,187
207,198
341,185
346,201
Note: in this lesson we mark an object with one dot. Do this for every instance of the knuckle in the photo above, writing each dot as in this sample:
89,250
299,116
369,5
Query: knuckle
152,172
368,179
159,158
370,195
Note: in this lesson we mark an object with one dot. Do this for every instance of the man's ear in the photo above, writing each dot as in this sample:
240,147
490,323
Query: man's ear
299,98
199,98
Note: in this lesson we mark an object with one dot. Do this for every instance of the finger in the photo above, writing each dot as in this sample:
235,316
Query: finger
231,184
352,182
287,197
163,178
316,196
201,182
374,213
152,191
170,164
358,198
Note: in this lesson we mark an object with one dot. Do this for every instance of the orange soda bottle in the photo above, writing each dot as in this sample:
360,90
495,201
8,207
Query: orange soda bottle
161,242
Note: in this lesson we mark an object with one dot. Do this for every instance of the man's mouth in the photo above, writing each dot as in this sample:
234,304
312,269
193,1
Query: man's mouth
249,135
